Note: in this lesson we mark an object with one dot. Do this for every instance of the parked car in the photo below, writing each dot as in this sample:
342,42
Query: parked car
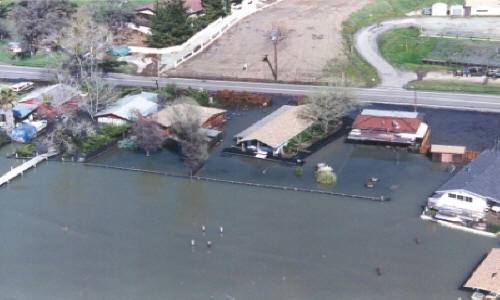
459,72
475,71
495,73
22,87
495,208
427,11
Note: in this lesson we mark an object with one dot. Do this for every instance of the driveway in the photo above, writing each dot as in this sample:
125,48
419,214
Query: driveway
366,40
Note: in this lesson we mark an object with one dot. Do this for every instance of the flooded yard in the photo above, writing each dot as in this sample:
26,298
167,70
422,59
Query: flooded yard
76,232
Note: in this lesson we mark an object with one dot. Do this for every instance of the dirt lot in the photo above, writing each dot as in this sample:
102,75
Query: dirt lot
312,30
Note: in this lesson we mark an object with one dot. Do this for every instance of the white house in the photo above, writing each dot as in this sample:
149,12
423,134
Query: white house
472,190
482,7
440,9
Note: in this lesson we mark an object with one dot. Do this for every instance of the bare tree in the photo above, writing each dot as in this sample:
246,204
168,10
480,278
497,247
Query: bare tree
328,106
187,131
149,135
115,13
36,21
86,44
99,95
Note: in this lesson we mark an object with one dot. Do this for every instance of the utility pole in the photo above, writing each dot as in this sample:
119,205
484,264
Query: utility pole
415,100
275,38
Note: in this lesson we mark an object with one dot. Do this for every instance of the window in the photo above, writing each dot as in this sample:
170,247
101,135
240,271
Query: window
468,199
452,195
460,197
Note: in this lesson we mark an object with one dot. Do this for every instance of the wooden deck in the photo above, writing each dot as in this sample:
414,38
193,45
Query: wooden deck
19,170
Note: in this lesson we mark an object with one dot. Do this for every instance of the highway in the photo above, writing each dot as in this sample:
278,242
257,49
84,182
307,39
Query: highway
374,95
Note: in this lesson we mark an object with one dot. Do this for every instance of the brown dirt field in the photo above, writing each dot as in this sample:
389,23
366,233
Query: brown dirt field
312,30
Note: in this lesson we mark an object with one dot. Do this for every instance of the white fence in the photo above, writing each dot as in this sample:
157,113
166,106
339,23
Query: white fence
176,55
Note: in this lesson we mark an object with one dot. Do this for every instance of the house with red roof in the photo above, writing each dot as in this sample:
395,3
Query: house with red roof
389,127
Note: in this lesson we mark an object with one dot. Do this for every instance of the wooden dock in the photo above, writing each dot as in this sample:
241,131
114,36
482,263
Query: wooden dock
19,170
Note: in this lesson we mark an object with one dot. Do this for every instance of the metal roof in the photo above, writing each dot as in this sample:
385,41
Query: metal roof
480,176
390,113
126,107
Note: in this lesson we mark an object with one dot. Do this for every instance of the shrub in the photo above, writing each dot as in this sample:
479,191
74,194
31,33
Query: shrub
94,143
113,131
299,171
325,175
4,138
128,143
201,97
25,150
493,228
232,98
129,90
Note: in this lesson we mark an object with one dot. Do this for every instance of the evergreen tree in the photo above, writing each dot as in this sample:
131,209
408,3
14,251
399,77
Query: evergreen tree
170,25
213,9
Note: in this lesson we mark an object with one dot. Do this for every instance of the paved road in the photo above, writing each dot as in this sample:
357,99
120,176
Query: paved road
366,40
376,95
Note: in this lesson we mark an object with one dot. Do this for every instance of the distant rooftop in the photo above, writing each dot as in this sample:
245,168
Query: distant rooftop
480,176
487,275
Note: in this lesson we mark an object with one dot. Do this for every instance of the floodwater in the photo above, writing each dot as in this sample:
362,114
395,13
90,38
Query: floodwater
74,232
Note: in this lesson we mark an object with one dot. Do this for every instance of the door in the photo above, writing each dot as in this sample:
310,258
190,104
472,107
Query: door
447,157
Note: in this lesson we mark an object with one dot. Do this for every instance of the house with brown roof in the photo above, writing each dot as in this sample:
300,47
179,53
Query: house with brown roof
209,117
271,134
388,127
486,277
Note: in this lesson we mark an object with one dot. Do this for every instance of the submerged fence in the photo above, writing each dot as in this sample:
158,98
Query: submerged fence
260,185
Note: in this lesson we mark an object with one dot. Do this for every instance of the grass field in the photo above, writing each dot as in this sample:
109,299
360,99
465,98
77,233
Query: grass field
41,59
405,48
452,86
374,12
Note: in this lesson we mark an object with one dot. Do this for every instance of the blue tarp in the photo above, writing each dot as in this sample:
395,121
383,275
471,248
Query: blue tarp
23,133
120,51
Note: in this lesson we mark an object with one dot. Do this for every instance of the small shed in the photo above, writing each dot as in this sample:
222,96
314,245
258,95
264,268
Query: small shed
448,154
457,10
440,9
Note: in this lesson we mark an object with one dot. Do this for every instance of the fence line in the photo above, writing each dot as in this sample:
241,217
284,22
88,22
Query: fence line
261,185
